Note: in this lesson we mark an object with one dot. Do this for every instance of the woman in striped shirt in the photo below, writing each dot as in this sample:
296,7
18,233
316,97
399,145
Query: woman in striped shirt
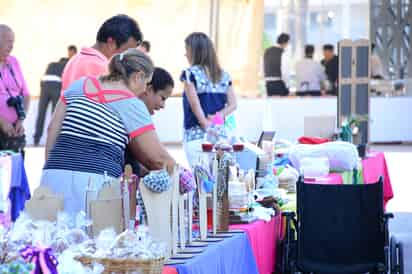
94,122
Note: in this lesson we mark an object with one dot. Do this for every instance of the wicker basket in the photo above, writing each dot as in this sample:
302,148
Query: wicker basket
125,266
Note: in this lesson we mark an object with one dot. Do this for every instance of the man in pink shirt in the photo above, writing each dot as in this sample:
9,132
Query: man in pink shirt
14,94
117,34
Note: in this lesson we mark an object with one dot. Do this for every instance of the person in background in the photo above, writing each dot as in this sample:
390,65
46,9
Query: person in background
71,51
144,46
94,122
274,67
14,95
158,90
50,90
117,34
155,95
376,64
331,63
208,91
309,74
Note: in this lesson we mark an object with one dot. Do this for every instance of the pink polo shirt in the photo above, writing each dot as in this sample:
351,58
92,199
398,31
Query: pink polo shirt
16,86
89,62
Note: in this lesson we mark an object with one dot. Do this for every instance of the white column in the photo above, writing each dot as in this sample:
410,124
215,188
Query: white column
346,20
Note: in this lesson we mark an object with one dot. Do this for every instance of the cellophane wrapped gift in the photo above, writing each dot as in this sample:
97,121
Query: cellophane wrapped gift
66,242
128,252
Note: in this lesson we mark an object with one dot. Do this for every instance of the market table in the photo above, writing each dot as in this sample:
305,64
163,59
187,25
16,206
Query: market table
231,255
262,237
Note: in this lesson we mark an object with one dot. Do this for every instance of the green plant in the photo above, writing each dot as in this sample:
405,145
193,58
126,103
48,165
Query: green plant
351,127
355,121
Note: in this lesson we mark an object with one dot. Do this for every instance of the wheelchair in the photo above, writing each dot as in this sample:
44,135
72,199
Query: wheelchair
339,229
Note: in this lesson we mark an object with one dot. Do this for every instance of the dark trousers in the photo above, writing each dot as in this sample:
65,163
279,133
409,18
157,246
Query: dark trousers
333,90
308,93
276,88
50,93
15,144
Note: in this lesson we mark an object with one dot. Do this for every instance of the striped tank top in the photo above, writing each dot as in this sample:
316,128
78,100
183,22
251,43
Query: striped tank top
95,130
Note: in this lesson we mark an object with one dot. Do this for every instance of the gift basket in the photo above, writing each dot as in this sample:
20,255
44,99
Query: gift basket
126,266
129,252
66,248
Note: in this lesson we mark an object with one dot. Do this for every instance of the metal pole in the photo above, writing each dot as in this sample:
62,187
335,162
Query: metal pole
214,22
217,16
211,18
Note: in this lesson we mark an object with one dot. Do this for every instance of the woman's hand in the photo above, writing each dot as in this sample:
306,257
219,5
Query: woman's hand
19,128
7,128
206,123
149,151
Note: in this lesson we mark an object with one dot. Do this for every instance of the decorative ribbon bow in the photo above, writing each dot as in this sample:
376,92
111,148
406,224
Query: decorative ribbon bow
187,181
42,258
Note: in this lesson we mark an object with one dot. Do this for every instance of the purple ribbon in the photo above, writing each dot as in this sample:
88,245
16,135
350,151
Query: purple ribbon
187,181
43,259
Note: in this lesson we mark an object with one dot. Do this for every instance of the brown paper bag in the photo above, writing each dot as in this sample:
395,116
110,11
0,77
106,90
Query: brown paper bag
162,211
106,210
44,205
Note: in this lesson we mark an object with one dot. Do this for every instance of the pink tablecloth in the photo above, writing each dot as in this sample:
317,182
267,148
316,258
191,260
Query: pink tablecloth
169,270
374,166
263,237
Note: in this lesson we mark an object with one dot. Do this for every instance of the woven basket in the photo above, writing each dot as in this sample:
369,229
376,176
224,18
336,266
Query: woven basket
125,266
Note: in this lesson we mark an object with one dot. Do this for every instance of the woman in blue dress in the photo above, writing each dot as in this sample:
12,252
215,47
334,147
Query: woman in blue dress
208,91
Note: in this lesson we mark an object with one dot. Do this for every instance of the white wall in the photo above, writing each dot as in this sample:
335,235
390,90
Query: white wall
391,117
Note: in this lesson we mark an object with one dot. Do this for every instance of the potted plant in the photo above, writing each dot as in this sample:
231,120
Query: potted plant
350,132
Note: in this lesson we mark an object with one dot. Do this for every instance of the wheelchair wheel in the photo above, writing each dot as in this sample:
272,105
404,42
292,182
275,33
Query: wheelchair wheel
400,259
396,256
289,255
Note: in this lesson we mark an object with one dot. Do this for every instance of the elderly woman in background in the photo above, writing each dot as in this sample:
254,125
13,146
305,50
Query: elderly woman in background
92,125
14,95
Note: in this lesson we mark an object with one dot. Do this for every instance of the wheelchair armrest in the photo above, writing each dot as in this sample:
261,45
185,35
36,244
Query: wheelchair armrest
289,214
388,216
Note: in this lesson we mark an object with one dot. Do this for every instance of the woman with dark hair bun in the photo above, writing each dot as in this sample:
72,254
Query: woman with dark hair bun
158,90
